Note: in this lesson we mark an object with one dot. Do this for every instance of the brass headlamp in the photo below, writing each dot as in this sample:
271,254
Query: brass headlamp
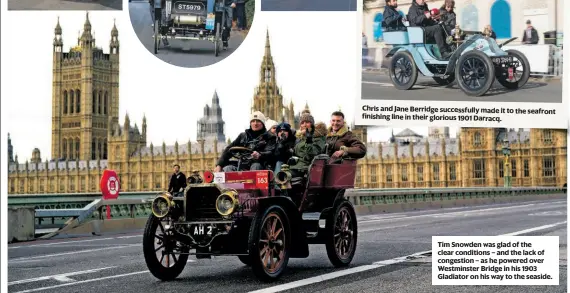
162,205
227,202
283,176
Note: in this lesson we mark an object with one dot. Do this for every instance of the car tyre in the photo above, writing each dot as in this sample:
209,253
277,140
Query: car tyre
160,267
407,76
269,238
525,73
472,67
342,234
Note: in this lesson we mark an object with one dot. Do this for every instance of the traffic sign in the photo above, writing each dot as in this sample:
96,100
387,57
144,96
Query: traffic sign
110,185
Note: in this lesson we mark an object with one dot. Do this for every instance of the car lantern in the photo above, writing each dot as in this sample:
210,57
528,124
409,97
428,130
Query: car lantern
283,176
162,205
208,177
227,202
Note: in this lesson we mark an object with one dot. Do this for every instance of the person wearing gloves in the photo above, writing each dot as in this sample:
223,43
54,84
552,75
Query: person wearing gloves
284,146
252,138
306,121
308,146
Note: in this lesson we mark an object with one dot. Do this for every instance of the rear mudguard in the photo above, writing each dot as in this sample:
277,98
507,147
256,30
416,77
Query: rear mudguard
453,59
418,60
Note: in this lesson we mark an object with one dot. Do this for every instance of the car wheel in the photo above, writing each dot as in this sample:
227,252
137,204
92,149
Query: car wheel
269,243
160,251
475,73
342,234
520,78
403,70
445,81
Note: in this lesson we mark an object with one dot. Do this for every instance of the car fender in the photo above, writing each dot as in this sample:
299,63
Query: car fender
300,247
393,51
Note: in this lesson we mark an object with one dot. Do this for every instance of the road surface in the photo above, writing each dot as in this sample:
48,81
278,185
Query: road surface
181,53
377,86
308,5
90,5
114,263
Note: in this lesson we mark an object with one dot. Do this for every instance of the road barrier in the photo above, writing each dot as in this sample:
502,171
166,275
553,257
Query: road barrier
21,224
57,214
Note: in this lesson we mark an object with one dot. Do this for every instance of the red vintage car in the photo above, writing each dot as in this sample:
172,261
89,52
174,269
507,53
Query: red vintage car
262,218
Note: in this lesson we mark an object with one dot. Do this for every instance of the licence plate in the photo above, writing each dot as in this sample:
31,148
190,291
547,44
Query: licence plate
188,7
503,60
202,230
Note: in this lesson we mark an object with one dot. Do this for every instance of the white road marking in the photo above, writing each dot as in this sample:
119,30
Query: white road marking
549,213
375,265
382,228
34,258
460,212
82,282
127,237
387,84
59,277
57,243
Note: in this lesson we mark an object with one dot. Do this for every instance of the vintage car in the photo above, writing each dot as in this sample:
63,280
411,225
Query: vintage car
262,218
188,20
476,62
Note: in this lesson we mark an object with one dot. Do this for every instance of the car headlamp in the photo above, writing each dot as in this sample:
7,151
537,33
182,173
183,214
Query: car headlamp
162,205
227,202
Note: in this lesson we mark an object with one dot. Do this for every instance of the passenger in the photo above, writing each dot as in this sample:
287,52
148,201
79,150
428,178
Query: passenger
251,138
306,121
341,142
393,19
420,15
285,144
308,146
448,16
267,151
177,181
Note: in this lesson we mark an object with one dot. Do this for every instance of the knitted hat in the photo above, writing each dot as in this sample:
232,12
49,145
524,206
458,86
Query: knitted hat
257,116
307,117
270,123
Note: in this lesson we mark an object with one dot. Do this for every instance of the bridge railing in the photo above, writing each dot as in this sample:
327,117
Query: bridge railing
59,213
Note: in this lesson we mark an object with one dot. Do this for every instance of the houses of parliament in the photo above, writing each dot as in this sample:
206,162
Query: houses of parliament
87,138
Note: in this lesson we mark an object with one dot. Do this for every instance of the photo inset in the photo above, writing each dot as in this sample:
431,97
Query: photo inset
465,54
191,34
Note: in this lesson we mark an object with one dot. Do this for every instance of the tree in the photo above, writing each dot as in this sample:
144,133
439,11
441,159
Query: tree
249,12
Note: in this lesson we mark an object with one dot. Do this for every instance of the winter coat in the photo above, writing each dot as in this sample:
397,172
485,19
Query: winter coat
177,181
393,20
449,20
309,146
345,140
416,15
284,148
267,151
534,36
250,139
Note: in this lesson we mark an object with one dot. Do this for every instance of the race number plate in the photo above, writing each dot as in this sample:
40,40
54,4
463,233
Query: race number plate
502,60
210,21
202,230
188,7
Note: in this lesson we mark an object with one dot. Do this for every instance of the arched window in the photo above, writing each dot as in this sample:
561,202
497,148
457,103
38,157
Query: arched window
94,101
105,103
477,138
100,150
71,101
105,150
501,19
378,18
100,102
64,149
77,101
77,144
65,102
470,18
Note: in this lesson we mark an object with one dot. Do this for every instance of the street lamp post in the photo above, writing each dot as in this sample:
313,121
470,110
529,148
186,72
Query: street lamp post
507,164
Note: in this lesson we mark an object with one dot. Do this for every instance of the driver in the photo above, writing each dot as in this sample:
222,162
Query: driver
252,138
419,15
341,142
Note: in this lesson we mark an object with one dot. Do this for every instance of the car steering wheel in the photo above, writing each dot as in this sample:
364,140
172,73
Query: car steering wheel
241,153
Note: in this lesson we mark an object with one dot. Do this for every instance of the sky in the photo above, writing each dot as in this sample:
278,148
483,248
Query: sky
312,67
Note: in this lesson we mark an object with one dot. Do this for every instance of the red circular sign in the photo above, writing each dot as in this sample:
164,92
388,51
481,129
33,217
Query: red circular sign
110,184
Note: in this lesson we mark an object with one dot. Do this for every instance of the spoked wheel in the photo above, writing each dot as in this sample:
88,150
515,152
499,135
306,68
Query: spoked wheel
445,81
475,73
519,77
403,71
269,243
161,250
342,235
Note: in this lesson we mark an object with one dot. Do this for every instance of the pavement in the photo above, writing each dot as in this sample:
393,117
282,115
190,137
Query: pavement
183,53
378,86
114,262
91,5
304,5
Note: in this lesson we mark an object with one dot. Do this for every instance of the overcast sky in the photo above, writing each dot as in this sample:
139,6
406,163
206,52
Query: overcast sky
312,67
